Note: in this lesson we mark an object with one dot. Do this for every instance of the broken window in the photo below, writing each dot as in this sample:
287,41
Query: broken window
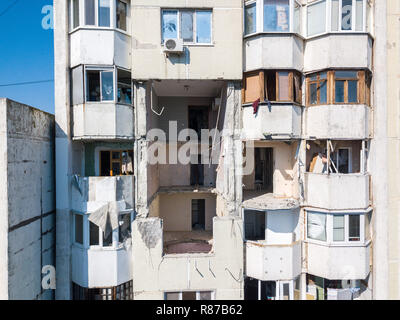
99,85
104,13
124,221
264,169
121,14
250,18
341,161
78,228
316,225
254,225
276,15
194,25
271,85
115,163
198,214
124,87
94,232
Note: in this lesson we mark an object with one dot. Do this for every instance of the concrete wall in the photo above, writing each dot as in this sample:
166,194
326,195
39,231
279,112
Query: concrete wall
337,50
221,271
100,47
273,51
198,61
103,121
338,122
28,223
338,262
337,191
282,120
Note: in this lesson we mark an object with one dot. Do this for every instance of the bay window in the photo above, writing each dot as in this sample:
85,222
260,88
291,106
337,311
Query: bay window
345,16
272,85
339,87
98,13
100,85
337,228
192,26
275,15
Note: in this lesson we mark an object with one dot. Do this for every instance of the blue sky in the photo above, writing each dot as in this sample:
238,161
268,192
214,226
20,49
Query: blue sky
26,53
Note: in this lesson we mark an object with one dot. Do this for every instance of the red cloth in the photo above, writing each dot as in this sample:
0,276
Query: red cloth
255,105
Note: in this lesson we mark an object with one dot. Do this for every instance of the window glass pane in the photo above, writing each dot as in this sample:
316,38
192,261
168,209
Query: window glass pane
343,160
338,228
187,26
189,295
283,83
250,19
323,91
75,8
121,15
124,227
94,234
316,18
316,226
107,85
203,26
346,74
92,85
297,18
169,24
107,242
124,87
335,15
313,93
79,228
276,15
352,88
89,12
172,296
354,227
359,15
205,295
339,91
104,13
347,10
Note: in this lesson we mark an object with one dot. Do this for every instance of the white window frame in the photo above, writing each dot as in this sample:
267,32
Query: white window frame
105,69
350,164
328,20
116,87
247,4
197,293
178,25
329,229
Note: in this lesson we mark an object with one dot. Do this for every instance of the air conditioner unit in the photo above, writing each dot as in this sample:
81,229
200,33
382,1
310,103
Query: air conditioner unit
173,46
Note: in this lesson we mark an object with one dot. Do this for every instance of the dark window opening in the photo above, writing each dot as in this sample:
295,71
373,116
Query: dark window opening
254,225
264,168
122,292
115,163
198,214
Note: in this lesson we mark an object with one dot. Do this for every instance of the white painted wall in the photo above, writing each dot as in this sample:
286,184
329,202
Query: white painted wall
338,121
337,191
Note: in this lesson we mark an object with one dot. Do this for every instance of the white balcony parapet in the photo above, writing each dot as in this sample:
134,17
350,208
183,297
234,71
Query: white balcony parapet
337,121
273,262
337,191
103,121
277,121
348,261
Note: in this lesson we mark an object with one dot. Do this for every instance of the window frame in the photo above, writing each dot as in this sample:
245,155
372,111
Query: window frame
101,69
260,18
178,25
198,292
329,229
113,160
363,88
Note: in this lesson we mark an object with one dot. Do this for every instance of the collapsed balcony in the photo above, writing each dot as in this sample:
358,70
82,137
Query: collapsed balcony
270,175
344,183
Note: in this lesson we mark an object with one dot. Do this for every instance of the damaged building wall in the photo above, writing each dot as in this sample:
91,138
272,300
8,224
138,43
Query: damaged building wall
29,202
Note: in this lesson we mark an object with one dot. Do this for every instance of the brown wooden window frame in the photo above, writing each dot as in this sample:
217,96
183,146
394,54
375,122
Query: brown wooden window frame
119,160
363,88
294,87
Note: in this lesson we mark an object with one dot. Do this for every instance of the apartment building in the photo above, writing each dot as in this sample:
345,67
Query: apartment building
221,149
